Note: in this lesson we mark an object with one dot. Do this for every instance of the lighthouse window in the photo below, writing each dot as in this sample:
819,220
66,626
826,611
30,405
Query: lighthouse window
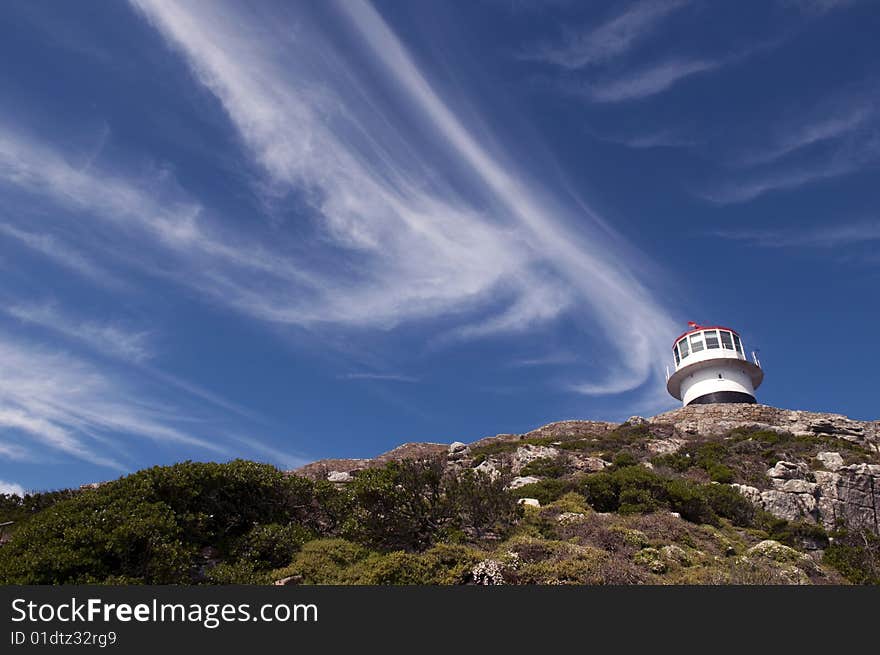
675,352
696,343
739,345
726,341
711,339
683,347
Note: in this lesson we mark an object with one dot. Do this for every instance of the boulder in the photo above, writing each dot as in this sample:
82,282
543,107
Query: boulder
789,506
831,461
788,471
457,447
522,481
339,476
585,463
529,502
528,453
489,468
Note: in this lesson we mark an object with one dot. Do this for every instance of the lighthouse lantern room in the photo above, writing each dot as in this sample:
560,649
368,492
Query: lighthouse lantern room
711,367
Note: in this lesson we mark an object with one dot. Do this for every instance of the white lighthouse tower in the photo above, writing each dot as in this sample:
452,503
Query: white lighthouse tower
711,367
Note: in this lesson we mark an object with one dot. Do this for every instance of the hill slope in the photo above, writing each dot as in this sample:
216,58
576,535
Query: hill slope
709,494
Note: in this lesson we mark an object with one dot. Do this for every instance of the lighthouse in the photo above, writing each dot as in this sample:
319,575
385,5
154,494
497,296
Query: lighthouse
711,367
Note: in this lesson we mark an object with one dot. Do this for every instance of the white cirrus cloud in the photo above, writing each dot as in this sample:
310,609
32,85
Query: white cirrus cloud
438,253
400,240
612,38
106,338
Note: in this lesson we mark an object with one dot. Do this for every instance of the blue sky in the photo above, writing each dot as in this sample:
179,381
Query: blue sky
287,231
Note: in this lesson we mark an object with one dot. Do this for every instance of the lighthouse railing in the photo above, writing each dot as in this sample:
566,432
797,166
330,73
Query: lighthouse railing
757,361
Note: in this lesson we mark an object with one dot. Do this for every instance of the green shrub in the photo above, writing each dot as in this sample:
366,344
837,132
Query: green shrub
636,489
623,459
545,491
545,467
728,503
272,545
856,555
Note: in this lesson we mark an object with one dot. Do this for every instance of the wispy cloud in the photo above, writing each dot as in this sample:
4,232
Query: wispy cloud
844,160
818,7
386,377
11,488
814,130
645,141
552,359
71,407
421,250
106,338
648,81
50,246
613,38
824,236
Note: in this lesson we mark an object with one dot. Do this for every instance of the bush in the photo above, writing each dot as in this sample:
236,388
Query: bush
855,553
273,545
545,491
149,526
637,490
545,467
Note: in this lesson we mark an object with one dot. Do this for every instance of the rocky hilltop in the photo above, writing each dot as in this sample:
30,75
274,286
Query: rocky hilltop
831,474
709,494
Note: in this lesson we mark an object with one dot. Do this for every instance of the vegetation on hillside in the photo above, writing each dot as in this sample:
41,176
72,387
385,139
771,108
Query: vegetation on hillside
643,519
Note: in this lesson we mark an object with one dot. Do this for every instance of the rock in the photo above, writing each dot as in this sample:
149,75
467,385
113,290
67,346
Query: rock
798,486
585,463
831,461
776,551
789,506
753,494
570,517
522,481
488,572
788,471
676,554
291,579
529,502
720,418
665,446
675,515
339,476
528,453
636,420
457,447
488,468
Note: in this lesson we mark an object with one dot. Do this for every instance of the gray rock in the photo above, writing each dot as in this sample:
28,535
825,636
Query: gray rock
457,447
831,461
799,486
753,494
789,506
585,463
489,468
529,502
788,471
528,453
522,481
339,476
665,446
636,420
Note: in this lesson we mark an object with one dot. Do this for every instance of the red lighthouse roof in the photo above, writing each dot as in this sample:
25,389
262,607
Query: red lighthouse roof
698,328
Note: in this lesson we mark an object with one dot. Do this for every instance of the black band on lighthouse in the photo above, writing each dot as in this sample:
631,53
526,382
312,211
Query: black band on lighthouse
724,397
